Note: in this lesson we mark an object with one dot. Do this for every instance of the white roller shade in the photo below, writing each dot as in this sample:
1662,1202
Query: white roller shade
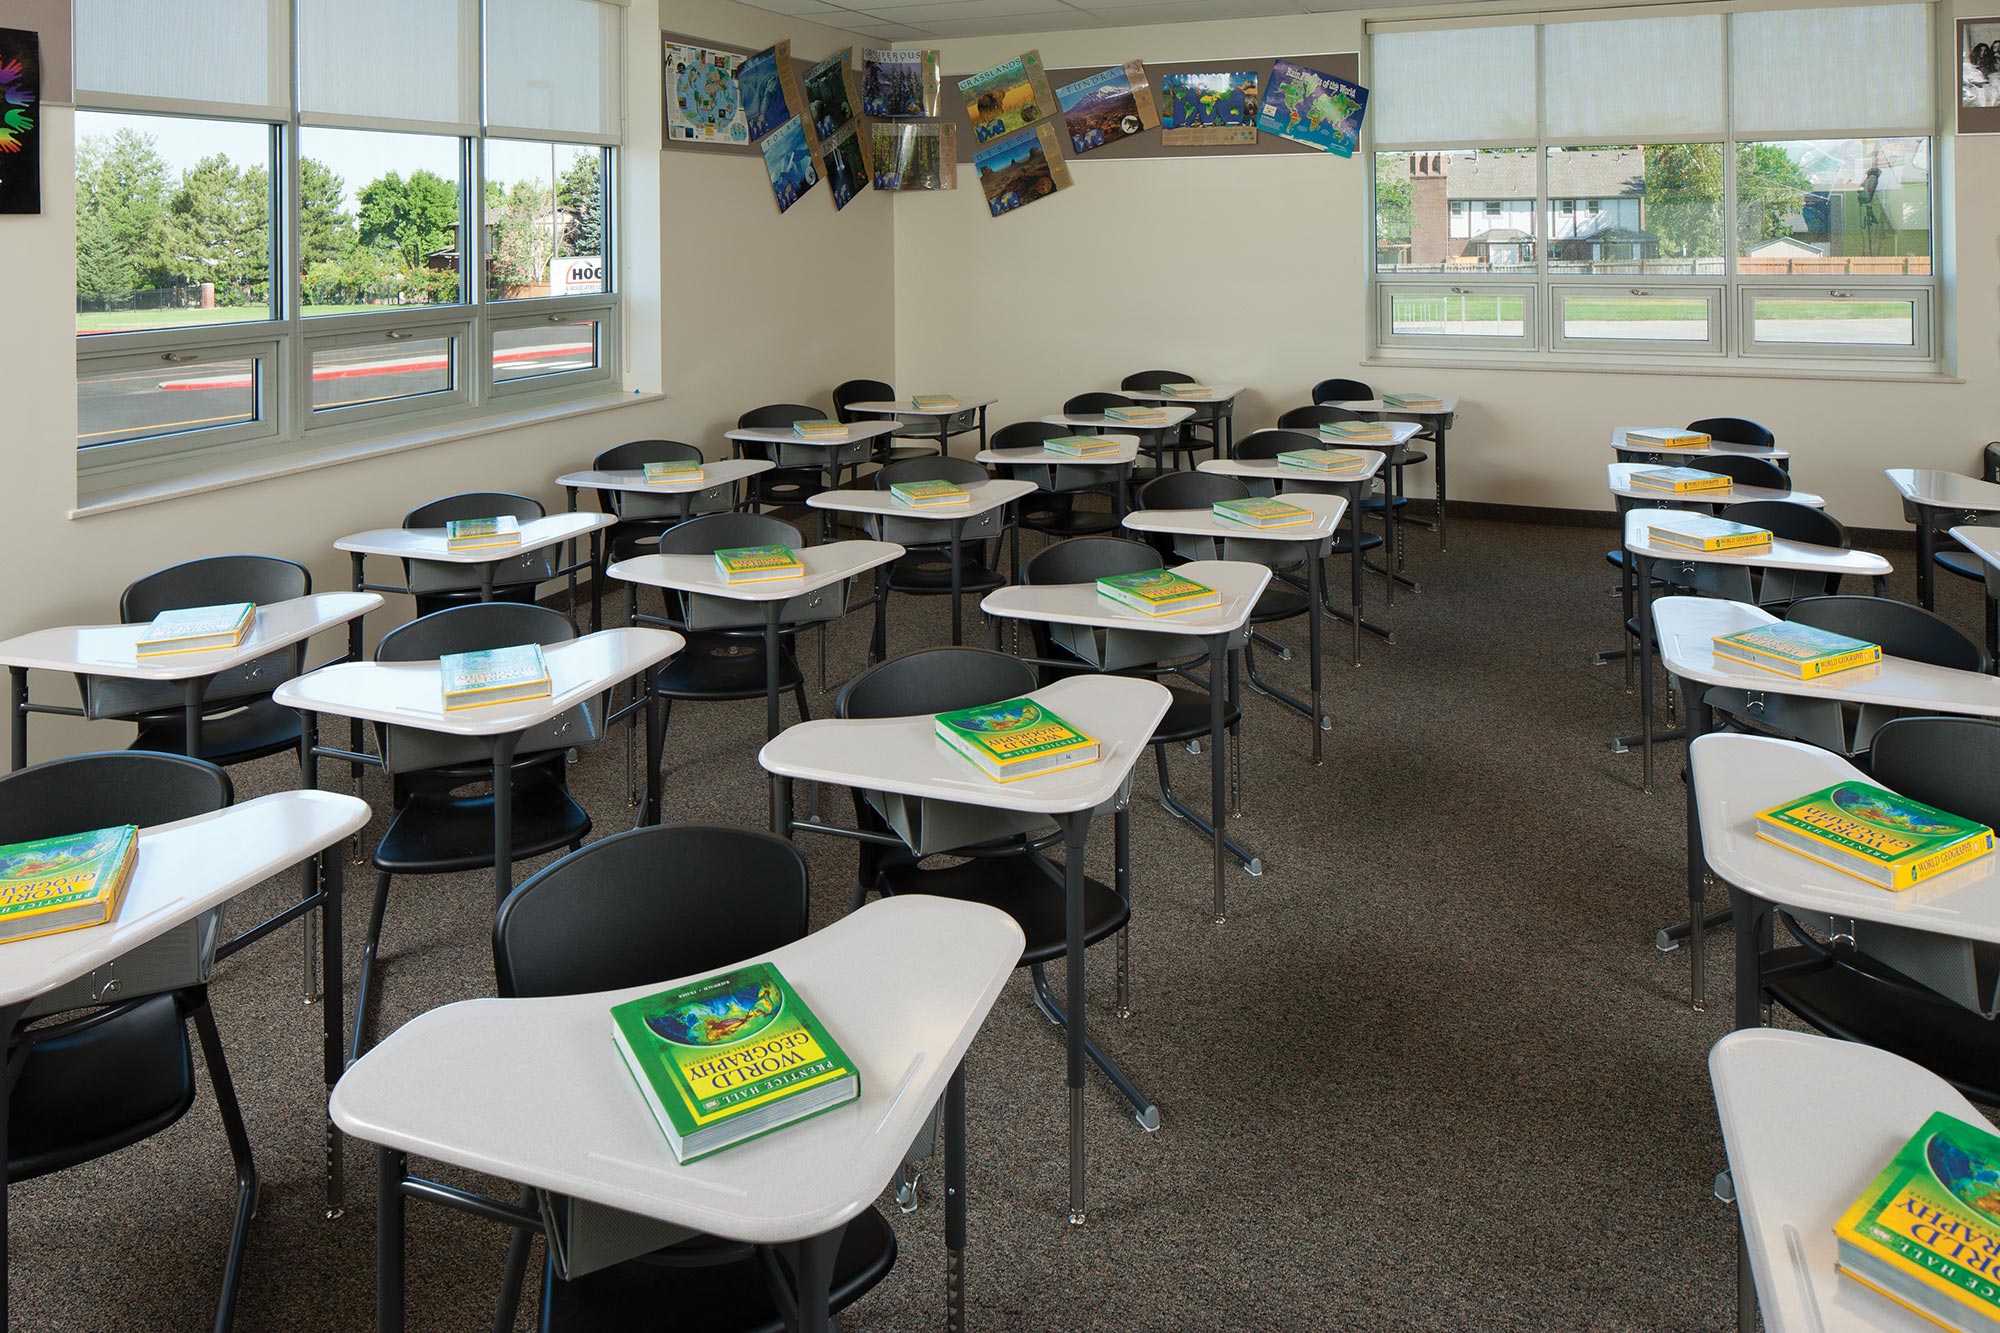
1627,79
553,69
389,64
1810,71
217,55
1439,87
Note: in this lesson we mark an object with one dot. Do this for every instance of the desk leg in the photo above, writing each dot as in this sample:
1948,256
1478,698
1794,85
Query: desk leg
1218,648
391,1168
772,641
503,814
957,578
17,697
954,1192
1699,720
1926,544
1354,566
1749,912
354,726
486,572
1121,837
656,743
812,1273
1645,577
333,1027
192,693
1076,832
598,564
1315,595
1440,481
781,806
10,1018
982,430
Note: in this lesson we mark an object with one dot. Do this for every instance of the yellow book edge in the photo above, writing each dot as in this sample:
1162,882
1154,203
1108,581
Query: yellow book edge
458,703
1660,537
141,650
1902,876
1163,609
1888,1295
1848,1228
798,573
729,1113
1802,670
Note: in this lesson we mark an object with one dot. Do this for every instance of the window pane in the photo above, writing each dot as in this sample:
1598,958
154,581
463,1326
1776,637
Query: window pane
1617,315
544,220
377,373
173,222
550,349
378,220
1461,210
131,402
1846,207
1656,209
1472,315
1829,321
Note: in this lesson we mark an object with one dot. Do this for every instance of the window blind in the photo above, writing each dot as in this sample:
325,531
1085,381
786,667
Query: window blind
389,64
553,69
227,56
1623,80
1812,71
1440,87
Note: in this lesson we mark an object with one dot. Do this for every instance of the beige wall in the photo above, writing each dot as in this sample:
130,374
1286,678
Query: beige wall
757,308
1250,270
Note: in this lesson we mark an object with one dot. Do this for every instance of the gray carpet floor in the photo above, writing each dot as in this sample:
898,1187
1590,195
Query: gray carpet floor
1430,1074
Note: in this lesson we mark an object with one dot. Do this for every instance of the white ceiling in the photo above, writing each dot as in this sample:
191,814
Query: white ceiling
914,20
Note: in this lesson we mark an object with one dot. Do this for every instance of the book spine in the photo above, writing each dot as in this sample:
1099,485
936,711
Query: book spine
1826,666
1825,854
1966,849
1736,653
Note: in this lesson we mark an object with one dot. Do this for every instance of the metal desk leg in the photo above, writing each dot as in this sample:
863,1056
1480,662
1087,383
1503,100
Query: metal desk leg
1644,572
598,564
957,578
17,696
391,1170
771,647
1440,481
1076,832
781,806
1926,544
192,693
355,736
954,1192
811,1262
656,741
333,1025
1699,717
503,814
10,1018
1750,913
1354,570
1218,648
1315,595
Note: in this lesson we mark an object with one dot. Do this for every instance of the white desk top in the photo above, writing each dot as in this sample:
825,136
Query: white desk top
857,431
1270,469
1686,626
984,495
714,472
1204,523
411,694
1807,1122
1450,402
1220,393
110,650
904,409
1714,447
1240,583
1736,776
1982,542
1780,554
429,543
1175,415
182,870
825,565
1126,452
1946,490
903,754
533,1090
1620,474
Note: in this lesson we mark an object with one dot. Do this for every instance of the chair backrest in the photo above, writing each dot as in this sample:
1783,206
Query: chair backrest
646,906
94,791
438,576
1989,462
1317,415
635,454
1027,434
262,579
777,414
1085,403
934,680
717,532
1747,470
1148,380
1342,391
860,391
656,510
1269,443
1902,629
960,471
1087,559
1792,521
474,504
1952,763
1735,430
1190,490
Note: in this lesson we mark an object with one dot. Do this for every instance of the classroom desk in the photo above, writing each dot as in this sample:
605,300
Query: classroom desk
1222,396
1435,422
1807,1121
986,496
827,566
1652,456
1266,476
109,650
1782,553
940,417
1619,477
1686,629
1984,543
532,1091
1077,604
428,544
1318,535
184,871
902,755
1099,424
1934,500
1042,467
773,440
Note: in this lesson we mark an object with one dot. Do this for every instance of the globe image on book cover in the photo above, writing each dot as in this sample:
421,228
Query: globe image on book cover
719,1020
53,857
1972,1180
1889,811
1001,720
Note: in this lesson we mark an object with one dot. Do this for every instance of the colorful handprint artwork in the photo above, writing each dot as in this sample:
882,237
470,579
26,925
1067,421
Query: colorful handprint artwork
20,117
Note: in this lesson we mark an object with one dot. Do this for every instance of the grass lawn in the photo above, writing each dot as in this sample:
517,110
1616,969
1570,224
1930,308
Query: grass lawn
1493,309
132,321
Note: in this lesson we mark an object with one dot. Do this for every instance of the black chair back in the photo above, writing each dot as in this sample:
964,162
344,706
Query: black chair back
717,532
1262,445
1952,763
1902,629
635,454
1735,430
1313,417
430,578
655,511
1027,434
1190,490
1085,403
1087,559
959,471
1342,391
860,391
474,504
94,791
1746,470
647,905
935,680
777,414
262,579
1989,462
1792,521
1147,381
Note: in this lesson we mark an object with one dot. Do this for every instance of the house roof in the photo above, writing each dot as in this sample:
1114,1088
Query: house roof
1609,173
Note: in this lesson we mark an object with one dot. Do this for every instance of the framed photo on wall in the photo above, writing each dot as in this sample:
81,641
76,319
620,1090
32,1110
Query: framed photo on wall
1979,76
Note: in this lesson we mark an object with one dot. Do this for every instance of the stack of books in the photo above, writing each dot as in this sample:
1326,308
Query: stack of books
1665,437
674,470
934,402
1870,833
820,430
1081,446
469,534
757,564
1014,739
1799,651
1258,513
1413,402
1186,391
928,494
1679,480
65,883
1357,430
494,676
1158,592
1137,416
1924,1231
1322,460
731,1057
196,629
1697,532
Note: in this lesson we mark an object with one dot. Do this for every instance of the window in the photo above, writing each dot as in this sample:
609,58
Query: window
410,231
1746,206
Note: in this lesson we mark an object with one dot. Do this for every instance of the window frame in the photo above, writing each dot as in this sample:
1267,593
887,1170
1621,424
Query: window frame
1712,293
1922,321
1449,287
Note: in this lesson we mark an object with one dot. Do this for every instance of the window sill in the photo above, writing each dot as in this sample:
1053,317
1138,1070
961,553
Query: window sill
1704,368
311,458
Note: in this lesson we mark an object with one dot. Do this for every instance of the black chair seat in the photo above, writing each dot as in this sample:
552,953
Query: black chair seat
1187,716
1280,601
442,833
1413,456
259,728
1369,541
519,593
1962,563
929,572
733,1297
789,485
1071,522
1377,503
125,1077
1016,887
720,667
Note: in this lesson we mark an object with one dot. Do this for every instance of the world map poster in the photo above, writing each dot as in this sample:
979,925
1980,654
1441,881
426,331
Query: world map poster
1208,108
704,103
20,120
1312,108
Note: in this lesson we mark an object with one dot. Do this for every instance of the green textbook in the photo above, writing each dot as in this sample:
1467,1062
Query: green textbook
1891,841
1926,1231
1259,513
1802,652
928,494
64,883
196,629
672,470
1158,592
1014,739
494,676
1081,446
466,534
730,1057
1321,460
757,564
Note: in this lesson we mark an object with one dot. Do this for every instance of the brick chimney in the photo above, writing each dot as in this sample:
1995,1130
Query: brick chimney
1430,209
